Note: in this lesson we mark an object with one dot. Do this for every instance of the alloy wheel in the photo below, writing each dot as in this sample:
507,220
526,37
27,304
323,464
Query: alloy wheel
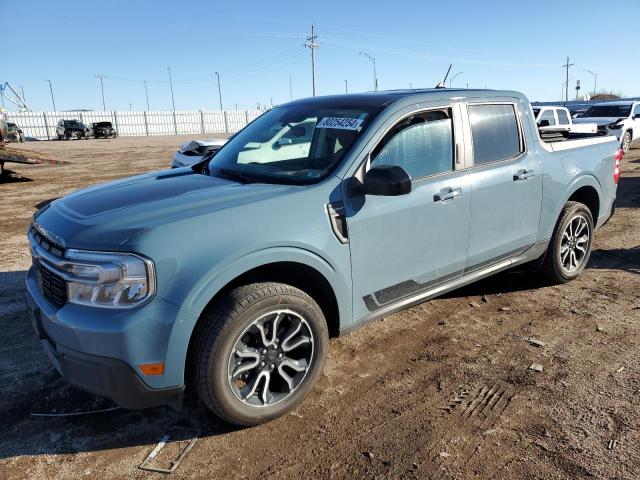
270,358
574,245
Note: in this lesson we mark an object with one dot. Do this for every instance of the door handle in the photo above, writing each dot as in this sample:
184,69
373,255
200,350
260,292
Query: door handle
523,175
447,194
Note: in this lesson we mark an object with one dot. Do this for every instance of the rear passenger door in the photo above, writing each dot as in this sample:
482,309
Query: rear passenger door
506,182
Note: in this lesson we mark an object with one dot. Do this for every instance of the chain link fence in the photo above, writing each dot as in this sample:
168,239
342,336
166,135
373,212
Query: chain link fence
42,125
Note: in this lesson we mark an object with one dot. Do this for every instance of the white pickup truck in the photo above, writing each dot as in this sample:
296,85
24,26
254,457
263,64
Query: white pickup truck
621,118
555,123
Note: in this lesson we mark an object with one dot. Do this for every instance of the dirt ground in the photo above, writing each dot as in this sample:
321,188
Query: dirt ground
441,390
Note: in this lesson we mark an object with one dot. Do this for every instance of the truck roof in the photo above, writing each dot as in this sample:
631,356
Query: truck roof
387,97
616,103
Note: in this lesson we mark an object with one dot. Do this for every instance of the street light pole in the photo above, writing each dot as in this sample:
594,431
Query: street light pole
104,108
346,87
453,78
146,94
52,99
595,80
22,91
219,90
375,76
173,101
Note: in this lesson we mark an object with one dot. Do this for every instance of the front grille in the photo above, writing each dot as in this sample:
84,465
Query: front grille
52,286
45,243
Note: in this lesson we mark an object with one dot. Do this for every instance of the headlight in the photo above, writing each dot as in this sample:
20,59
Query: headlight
112,280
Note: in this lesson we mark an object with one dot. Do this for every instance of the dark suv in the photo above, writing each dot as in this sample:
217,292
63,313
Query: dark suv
103,130
69,129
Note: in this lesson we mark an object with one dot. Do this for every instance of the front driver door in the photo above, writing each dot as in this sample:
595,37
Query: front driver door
402,246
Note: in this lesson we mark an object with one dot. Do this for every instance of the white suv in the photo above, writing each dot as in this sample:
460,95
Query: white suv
621,119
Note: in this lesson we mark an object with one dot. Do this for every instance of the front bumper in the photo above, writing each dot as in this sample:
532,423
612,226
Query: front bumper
98,357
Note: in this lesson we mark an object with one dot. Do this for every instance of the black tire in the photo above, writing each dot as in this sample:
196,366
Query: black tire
625,142
231,321
66,136
554,266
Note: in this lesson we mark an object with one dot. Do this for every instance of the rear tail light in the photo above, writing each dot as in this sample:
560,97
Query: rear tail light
616,169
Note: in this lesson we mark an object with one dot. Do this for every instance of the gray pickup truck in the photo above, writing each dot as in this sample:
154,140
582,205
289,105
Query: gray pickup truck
230,276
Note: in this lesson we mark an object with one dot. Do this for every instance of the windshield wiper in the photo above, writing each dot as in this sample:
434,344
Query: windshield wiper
238,176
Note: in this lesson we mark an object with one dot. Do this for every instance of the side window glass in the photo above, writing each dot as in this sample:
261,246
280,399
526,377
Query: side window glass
421,144
636,111
548,116
495,133
563,118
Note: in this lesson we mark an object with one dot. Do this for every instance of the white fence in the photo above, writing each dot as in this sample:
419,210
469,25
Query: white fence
42,125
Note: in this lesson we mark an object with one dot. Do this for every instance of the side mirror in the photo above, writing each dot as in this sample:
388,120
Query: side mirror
543,123
386,180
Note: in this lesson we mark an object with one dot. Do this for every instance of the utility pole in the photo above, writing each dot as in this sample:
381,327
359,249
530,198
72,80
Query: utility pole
566,93
375,77
219,90
593,74
130,107
311,43
173,101
100,76
410,86
346,87
52,99
146,93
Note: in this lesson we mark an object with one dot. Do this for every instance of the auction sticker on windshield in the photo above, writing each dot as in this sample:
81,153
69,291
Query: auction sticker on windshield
340,123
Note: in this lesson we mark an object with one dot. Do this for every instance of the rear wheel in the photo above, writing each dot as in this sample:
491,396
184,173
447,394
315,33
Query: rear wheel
259,352
570,247
625,143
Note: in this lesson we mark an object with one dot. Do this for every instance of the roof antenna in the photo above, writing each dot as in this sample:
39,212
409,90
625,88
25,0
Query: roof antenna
442,84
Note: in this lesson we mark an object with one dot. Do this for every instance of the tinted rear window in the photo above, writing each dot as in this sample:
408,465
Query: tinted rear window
495,133
608,111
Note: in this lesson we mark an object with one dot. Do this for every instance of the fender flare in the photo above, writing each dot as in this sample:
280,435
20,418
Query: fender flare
203,292
584,180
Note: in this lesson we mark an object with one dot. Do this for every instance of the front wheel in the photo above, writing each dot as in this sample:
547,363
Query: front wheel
259,352
625,143
570,247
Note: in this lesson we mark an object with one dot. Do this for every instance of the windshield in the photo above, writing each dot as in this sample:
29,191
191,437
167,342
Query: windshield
292,144
72,123
608,111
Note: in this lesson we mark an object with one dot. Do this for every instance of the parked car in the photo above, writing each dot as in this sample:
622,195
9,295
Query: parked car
194,151
234,273
68,129
103,130
620,118
14,133
555,121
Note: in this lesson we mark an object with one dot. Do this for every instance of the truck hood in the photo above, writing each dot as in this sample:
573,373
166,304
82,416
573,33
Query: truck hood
596,120
107,216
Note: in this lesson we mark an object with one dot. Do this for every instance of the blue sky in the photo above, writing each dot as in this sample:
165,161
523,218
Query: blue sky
256,46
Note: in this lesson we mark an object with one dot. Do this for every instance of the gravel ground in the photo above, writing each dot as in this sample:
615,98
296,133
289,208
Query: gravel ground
441,390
